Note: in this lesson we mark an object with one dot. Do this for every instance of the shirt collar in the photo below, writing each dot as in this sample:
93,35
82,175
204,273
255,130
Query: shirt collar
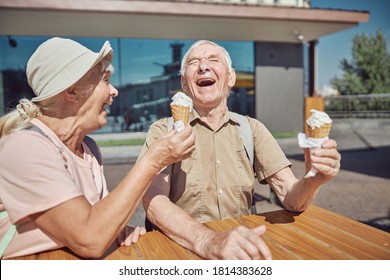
226,117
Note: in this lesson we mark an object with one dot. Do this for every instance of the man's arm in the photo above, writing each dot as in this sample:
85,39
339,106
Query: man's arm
296,195
238,243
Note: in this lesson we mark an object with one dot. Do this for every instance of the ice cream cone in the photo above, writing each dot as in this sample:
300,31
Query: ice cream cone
318,128
180,113
319,132
318,124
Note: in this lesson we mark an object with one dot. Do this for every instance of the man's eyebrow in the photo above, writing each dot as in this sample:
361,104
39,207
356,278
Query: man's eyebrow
213,55
192,57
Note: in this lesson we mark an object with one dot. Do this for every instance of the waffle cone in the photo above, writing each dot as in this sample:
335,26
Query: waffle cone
180,113
319,132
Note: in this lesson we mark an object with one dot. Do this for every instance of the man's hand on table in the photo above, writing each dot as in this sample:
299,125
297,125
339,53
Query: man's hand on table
239,243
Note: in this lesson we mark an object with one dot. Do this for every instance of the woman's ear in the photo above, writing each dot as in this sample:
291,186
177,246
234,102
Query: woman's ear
71,90
70,94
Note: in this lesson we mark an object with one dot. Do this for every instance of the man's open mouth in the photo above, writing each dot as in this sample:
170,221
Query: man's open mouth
205,82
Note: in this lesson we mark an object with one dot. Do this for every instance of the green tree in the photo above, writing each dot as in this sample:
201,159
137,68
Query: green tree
369,70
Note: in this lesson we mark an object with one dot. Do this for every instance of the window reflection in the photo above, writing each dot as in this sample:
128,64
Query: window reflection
146,75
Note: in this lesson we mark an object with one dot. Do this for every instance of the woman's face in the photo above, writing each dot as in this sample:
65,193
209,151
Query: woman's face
98,94
207,79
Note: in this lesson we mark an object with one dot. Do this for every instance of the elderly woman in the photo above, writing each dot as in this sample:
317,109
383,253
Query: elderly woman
52,188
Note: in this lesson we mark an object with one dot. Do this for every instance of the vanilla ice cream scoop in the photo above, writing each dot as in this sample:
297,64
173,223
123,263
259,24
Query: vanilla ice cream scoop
181,106
182,99
318,119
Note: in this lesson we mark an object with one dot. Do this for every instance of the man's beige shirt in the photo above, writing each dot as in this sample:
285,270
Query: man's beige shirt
217,181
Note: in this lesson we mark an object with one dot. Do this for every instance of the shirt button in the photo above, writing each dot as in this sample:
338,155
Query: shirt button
220,191
218,161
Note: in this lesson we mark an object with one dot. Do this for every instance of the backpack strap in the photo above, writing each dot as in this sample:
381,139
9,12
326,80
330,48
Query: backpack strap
94,148
10,233
246,134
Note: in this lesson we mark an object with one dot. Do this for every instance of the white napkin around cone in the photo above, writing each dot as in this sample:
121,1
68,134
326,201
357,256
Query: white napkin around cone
179,126
311,143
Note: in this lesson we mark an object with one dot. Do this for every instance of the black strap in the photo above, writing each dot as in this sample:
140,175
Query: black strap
94,148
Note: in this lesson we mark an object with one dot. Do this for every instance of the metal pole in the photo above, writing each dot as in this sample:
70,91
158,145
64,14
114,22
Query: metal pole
312,68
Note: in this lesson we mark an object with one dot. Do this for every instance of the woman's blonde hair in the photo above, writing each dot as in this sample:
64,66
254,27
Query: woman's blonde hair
20,117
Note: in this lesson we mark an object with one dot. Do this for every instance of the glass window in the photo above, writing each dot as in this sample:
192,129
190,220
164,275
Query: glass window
146,75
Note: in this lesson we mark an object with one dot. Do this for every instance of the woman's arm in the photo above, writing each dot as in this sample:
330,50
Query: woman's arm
89,230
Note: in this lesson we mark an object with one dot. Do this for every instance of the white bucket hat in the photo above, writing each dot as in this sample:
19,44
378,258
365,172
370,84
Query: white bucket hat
59,63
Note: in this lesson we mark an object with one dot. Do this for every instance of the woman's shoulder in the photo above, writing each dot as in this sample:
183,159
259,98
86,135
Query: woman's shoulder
23,142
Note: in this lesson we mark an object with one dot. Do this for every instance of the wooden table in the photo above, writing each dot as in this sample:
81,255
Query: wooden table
314,234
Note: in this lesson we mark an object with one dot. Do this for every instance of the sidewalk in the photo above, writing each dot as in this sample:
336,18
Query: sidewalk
361,190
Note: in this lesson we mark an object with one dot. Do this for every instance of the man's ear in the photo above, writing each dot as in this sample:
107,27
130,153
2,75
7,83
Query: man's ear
232,78
183,84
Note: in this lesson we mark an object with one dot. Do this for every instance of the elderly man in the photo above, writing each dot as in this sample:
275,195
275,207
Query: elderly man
217,181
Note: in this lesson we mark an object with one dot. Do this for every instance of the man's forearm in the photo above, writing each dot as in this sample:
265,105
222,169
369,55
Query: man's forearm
295,195
301,195
178,225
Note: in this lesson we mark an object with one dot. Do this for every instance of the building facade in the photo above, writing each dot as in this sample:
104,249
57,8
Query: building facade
272,45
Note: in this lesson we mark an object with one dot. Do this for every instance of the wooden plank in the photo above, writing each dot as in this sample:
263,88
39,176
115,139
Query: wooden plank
314,234
278,250
295,243
340,222
153,246
325,237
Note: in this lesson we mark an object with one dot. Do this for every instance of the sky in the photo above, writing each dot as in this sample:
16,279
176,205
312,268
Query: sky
333,48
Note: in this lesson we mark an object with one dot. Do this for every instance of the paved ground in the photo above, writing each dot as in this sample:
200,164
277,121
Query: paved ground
361,190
